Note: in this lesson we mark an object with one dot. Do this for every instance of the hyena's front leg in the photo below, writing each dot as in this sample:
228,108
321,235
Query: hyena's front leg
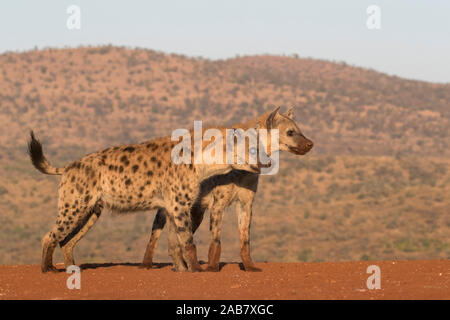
181,217
175,250
216,216
244,212
157,228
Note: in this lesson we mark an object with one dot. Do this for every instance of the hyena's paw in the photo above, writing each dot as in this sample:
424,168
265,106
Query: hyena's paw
212,269
252,269
51,268
179,268
195,268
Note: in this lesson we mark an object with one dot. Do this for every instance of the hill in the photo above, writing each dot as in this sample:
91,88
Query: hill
374,186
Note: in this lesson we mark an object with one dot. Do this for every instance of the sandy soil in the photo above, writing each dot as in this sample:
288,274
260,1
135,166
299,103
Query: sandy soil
340,280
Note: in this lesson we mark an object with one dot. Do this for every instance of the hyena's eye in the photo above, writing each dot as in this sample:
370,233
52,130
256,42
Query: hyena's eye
290,133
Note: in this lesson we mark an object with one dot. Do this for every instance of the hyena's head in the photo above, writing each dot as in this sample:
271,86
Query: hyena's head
291,138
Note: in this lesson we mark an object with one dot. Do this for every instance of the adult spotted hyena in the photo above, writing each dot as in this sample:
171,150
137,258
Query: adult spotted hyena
220,191
127,178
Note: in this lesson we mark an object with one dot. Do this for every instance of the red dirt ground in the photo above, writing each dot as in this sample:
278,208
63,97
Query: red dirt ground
330,280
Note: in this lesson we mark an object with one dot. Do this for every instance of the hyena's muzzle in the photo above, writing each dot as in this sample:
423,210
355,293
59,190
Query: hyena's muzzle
303,145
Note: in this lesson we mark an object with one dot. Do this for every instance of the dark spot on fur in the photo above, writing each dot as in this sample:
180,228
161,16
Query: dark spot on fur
152,146
127,182
135,168
121,169
129,149
150,173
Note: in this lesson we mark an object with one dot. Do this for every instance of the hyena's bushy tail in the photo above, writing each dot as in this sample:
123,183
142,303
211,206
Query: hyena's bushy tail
38,159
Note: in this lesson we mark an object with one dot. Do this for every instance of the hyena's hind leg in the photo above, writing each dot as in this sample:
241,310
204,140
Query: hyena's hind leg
72,218
157,228
82,228
49,243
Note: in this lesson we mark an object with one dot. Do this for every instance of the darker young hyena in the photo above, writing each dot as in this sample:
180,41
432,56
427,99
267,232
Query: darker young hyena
220,191
125,178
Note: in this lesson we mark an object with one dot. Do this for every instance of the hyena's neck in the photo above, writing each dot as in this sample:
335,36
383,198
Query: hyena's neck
208,170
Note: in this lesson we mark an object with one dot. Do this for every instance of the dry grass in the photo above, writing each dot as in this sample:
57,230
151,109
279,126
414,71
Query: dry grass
374,187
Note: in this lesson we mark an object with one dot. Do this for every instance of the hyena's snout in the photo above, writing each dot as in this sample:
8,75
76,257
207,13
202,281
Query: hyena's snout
304,145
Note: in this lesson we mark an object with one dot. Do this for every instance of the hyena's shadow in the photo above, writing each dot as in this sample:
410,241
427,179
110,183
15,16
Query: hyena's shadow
87,266
239,264
156,265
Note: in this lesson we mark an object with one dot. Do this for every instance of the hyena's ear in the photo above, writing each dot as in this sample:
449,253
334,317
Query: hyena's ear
271,118
290,113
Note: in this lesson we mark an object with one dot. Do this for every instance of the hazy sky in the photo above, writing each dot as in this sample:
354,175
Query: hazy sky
413,42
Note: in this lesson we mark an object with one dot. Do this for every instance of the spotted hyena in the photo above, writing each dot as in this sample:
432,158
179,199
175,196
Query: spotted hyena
127,178
220,191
